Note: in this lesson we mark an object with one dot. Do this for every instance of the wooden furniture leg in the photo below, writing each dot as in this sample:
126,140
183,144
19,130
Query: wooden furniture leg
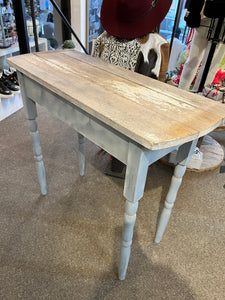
184,155
136,172
31,114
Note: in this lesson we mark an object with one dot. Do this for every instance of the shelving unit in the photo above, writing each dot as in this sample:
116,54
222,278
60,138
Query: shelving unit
6,29
9,106
14,50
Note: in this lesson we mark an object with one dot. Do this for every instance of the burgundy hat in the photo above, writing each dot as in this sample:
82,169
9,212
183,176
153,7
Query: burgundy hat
132,18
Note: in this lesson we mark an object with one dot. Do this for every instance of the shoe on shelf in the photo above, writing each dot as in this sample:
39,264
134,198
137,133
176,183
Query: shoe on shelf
14,74
14,88
11,76
5,92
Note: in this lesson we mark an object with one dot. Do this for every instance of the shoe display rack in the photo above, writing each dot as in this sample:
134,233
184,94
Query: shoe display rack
9,106
10,96
6,31
9,84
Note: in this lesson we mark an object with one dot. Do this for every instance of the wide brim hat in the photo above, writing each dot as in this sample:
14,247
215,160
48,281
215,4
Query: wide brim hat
130,19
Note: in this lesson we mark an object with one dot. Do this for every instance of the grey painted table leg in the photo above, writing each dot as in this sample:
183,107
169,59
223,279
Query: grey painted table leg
81,154
31,114
136,172
185,153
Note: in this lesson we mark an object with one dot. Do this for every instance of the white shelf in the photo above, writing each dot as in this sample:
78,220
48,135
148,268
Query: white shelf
42,42
9,106
14,49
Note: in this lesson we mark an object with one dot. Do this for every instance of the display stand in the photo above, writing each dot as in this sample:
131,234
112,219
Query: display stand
9,106
6,32
220,128
14,49
213,155
213,152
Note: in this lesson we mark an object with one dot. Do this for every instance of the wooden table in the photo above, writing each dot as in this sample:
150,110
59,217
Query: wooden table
136,119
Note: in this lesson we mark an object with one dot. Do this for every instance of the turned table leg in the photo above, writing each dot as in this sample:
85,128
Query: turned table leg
31,113
136,172
128,228
185,152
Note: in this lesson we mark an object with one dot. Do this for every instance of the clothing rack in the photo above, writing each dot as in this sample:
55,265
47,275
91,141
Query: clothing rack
216,37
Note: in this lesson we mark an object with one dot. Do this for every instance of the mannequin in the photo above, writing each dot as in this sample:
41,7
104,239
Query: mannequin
129,41
199,46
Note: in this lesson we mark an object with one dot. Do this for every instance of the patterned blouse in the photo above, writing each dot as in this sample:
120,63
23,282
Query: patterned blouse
148,55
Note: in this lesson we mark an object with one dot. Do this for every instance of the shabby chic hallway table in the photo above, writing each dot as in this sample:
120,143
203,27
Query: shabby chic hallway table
136,119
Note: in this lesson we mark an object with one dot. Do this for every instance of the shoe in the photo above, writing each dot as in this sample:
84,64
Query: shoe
10,85
13,73
5,92
11,76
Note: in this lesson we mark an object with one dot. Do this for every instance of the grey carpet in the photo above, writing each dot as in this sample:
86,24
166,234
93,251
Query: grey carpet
65,245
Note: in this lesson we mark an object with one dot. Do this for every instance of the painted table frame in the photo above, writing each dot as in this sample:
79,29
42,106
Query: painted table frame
135,156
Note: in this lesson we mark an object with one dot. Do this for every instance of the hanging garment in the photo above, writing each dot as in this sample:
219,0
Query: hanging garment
214,8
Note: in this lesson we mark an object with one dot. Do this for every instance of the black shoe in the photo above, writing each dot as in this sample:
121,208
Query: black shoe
9,84
14,77
4,91
11,76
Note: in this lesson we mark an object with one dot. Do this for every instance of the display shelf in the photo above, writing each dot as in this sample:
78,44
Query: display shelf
14,49
9,106
42,42
220,128
213,155
6,30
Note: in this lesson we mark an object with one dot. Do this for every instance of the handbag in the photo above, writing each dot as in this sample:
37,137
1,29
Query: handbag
214,8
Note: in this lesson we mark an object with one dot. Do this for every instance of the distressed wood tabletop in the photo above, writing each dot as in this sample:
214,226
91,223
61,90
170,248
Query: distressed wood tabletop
154,114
